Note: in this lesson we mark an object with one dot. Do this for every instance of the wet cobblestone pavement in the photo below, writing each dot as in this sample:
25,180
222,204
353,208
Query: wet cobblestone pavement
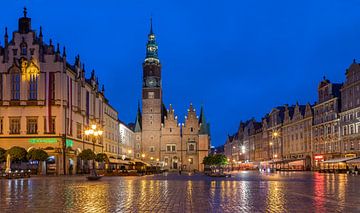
244,192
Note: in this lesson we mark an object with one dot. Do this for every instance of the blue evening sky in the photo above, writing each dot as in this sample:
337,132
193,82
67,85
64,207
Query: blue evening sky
237,58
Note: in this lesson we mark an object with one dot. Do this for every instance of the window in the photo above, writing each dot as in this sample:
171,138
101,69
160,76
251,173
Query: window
138,146
151,95
1,125
14,125
31,126
79,95
78,130
191,147
191,129
52,86
15,86
23,47
152,149
51,124
171,148
138,155
33,87
1,87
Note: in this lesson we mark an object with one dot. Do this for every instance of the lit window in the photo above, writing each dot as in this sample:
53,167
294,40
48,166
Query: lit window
152,149
33,87
31,126
151,95
78,130
14,125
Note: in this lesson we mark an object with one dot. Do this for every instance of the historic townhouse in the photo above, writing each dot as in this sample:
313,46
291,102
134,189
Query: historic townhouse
275,121
47,103
127,141
350,115
160,139
111,133
296,134
326,126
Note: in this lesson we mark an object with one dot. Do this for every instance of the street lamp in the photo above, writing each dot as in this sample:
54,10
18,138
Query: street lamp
94,132
189,164
143,155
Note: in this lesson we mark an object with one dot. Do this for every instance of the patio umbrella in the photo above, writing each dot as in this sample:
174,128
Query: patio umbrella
8,164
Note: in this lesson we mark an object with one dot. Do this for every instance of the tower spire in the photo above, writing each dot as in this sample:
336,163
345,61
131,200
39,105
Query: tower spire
151,46
25,12
151,26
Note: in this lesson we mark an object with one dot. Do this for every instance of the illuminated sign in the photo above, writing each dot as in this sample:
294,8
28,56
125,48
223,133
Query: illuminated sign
319,157
69,143
43,140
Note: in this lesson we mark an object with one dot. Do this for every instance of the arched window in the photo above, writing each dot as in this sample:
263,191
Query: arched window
33,87
15,86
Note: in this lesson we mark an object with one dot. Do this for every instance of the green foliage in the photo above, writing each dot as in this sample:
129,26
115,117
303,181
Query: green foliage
17,153
87,154
215,160
37,154
2,155
102,157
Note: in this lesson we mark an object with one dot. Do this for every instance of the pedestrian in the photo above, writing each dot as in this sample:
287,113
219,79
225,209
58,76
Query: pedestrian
356,170
179,171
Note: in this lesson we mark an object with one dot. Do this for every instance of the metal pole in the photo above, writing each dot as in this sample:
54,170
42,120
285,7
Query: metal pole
64,144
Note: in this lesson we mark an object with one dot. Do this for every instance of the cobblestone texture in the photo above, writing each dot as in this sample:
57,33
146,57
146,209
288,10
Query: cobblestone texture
244,192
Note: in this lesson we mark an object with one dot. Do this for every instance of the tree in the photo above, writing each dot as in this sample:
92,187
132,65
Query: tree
102,157
17,153
215,160
87,154
2,155
38,155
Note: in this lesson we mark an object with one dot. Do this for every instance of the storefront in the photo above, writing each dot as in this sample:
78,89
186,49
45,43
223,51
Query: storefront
336,165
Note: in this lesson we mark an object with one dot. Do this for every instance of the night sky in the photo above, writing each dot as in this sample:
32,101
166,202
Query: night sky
239,59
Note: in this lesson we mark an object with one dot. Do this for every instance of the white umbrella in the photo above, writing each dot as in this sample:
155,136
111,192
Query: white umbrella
8,164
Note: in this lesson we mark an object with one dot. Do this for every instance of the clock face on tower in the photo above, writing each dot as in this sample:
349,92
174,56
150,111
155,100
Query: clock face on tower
151,82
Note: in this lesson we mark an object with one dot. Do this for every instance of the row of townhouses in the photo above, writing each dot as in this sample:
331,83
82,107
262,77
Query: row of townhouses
48,103
302,136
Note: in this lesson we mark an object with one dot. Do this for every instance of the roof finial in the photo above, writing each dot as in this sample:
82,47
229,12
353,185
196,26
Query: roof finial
57,48
354,61
40,34
151,26
6,33
25,12
64,52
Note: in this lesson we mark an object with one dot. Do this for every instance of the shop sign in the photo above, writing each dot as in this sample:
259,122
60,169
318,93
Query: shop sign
319,157
69,143
42,140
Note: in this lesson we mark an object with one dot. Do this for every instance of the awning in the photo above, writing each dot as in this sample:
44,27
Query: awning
297,163
289,161
356,160
140,161
118,161
339,160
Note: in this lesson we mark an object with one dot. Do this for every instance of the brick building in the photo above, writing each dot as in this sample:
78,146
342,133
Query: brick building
160,139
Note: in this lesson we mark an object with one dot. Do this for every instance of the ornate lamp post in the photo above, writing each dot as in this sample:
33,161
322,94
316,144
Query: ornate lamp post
94,132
